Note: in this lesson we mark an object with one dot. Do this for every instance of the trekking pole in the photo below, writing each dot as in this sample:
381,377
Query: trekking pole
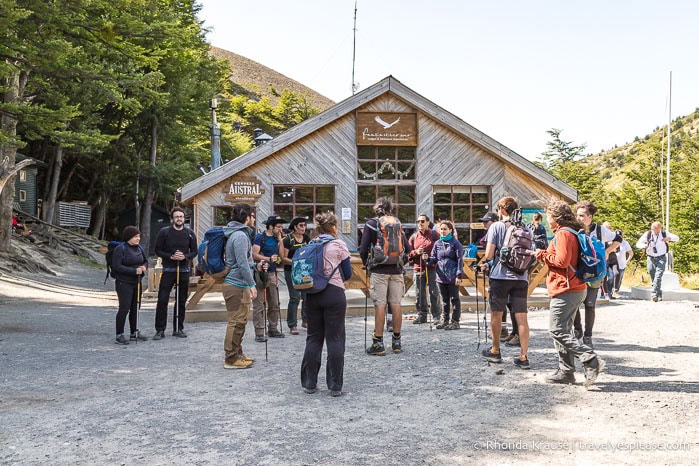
138,306
176,325
485,309
264,313
366,301
426,285
478,317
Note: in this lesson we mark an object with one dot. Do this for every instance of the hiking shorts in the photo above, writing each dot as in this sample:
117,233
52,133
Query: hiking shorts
512,292
386,288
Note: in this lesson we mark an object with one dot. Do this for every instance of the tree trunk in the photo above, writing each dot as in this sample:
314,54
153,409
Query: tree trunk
100,216
150,189
66,183
8,124
50,203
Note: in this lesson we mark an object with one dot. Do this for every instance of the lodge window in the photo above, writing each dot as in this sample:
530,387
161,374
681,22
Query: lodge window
22,195
22,175
303,201
385,163
222,215
462,205
403,198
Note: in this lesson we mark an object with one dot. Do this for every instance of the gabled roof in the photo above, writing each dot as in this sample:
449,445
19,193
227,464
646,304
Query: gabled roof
339,110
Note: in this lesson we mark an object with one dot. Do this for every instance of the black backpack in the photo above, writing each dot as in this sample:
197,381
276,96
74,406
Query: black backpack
110,254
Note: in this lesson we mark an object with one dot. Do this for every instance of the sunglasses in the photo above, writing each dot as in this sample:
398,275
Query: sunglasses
422,221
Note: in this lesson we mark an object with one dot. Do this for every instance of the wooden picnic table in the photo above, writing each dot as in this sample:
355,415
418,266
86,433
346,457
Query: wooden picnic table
359,278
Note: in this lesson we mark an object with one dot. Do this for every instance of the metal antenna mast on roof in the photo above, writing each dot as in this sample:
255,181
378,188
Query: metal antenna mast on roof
355,85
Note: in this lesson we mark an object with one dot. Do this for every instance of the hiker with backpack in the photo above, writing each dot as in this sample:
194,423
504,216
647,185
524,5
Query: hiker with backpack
447,255
176,245
624,255
326,310
585,212
296,239
128,265
266,248
238,287
539,231
654,243
421,243
508,259
567,291
383,251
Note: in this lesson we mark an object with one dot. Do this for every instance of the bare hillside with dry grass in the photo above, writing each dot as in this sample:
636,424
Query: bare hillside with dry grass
256,80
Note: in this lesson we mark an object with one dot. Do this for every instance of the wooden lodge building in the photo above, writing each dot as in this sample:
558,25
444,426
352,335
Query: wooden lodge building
386,140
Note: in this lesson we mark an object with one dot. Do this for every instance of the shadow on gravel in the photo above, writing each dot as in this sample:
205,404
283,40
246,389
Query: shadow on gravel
631,347
660,386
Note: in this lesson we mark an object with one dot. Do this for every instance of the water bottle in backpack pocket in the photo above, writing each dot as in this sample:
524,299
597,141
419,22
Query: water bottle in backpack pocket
515,253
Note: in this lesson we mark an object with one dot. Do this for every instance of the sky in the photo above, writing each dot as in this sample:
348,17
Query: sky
597,70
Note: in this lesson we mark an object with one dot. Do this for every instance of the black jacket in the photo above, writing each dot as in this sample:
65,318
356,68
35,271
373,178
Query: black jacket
170,240
126,259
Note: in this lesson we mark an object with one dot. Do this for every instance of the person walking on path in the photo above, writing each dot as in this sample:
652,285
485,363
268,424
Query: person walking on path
585,212
294,240
654,243
129,264
567,292
238,287
421,242
386,280
446,255
506,287
326,313
176,245
623,257
266,247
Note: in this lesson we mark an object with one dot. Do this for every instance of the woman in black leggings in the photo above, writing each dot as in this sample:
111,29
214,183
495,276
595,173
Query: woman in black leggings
129,264
326,313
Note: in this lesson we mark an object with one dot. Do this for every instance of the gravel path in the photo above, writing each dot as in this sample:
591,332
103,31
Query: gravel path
69,395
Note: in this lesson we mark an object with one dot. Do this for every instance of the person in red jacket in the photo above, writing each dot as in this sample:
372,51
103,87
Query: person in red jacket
422,242
567,292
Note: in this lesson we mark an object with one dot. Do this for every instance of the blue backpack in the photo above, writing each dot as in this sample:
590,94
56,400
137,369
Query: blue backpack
211,253
592,264
308,264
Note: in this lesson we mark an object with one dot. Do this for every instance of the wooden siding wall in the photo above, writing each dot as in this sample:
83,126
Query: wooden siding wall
328,156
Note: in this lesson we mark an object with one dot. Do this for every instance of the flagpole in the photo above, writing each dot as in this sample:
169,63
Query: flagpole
667,181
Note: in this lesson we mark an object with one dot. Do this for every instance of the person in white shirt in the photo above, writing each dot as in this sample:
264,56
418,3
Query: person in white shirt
624,255
585,212
654,243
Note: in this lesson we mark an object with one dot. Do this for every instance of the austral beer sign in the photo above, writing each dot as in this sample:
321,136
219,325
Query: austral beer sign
242,189
386,129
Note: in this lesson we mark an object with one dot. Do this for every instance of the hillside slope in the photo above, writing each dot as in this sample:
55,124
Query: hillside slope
256,80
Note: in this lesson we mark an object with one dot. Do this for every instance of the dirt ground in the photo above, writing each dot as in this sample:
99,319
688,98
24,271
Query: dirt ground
69,395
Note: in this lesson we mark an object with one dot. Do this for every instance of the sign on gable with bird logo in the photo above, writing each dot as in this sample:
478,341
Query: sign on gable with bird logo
387,129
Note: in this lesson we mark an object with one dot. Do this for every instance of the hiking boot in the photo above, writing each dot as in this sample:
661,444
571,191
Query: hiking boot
239,364
245,358
578,333
336,393
275,334
561,377
136,336
179,334
522,363
121,340
654,299
395,345
454,325
310,391
592,369
304,325
159,335
491,357
514,341
294,331
389,326
504,334
420,319
376,349
587,341
442,323
260,338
